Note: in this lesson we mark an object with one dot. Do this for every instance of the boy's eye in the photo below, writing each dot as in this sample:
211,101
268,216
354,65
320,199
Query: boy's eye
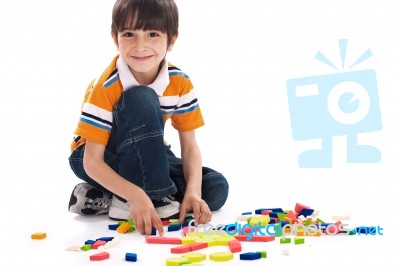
127,34
153,34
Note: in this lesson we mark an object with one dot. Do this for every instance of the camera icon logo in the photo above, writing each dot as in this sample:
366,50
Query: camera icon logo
325,106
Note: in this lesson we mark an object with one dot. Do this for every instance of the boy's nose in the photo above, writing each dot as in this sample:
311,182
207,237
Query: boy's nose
141,45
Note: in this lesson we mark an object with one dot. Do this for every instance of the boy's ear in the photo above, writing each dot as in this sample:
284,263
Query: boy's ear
115,38
173,40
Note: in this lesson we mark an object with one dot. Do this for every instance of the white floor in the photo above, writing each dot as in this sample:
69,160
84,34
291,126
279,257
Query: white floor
65,229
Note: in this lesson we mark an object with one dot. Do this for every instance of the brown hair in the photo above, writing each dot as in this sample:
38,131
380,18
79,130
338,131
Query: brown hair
160,15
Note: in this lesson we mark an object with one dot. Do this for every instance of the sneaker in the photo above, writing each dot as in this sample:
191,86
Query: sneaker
166,208
119,209
89,200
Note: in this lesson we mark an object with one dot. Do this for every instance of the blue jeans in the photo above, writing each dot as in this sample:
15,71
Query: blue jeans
137,152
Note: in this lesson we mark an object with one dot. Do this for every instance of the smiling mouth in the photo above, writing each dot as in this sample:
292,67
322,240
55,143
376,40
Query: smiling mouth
142,58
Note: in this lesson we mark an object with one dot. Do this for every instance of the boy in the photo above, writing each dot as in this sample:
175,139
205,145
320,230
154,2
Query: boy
119,148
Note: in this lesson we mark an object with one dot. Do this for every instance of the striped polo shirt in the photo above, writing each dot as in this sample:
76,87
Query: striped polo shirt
175,92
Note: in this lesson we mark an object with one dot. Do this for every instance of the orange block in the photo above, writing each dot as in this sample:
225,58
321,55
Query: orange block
123,228
38,236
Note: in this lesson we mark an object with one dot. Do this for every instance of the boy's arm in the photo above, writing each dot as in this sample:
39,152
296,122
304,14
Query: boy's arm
141,208
192,169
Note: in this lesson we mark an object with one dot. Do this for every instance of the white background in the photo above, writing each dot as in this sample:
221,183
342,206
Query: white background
239,54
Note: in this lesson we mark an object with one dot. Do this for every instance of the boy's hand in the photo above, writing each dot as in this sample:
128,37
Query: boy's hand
193,202
145,216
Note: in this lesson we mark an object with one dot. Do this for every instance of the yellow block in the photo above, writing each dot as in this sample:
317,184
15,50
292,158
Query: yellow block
195,256
123,227
221,256
177,261
210,241
263,220
224,241
38,235
189,239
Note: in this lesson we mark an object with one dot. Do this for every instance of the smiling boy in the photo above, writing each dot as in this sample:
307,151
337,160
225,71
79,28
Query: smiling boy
119,148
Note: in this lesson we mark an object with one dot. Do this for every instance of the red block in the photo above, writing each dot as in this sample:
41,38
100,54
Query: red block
235,246
197,246
163,240
299,207
181,249
100,256
266,212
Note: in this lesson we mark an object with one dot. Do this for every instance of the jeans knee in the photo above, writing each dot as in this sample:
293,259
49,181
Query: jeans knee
140,95
216,191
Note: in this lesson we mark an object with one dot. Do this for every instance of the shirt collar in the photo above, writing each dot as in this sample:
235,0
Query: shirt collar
128,80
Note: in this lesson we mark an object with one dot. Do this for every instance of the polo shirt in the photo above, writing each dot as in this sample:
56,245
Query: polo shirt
173,87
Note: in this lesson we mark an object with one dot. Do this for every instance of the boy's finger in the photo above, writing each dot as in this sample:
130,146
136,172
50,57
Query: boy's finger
139,226
182,215
196,213
158,225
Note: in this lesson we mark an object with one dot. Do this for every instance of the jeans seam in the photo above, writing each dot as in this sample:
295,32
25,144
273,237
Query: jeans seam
133,140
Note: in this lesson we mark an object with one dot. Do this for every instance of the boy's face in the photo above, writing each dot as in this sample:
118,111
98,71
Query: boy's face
143,51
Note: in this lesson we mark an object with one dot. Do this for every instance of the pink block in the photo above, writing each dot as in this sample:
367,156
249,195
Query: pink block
98,243
100,256
163,240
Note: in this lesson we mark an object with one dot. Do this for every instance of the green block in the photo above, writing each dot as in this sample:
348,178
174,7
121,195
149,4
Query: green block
285,240
281,216
298,241
132,229
307,222
131,222
320,221
263,254
86,247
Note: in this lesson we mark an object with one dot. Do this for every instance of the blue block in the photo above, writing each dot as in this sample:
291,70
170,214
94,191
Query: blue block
258,211
250,256
306,212
153,231
174,227
89,242
247,213
106,238
283,223
130,257
113,226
